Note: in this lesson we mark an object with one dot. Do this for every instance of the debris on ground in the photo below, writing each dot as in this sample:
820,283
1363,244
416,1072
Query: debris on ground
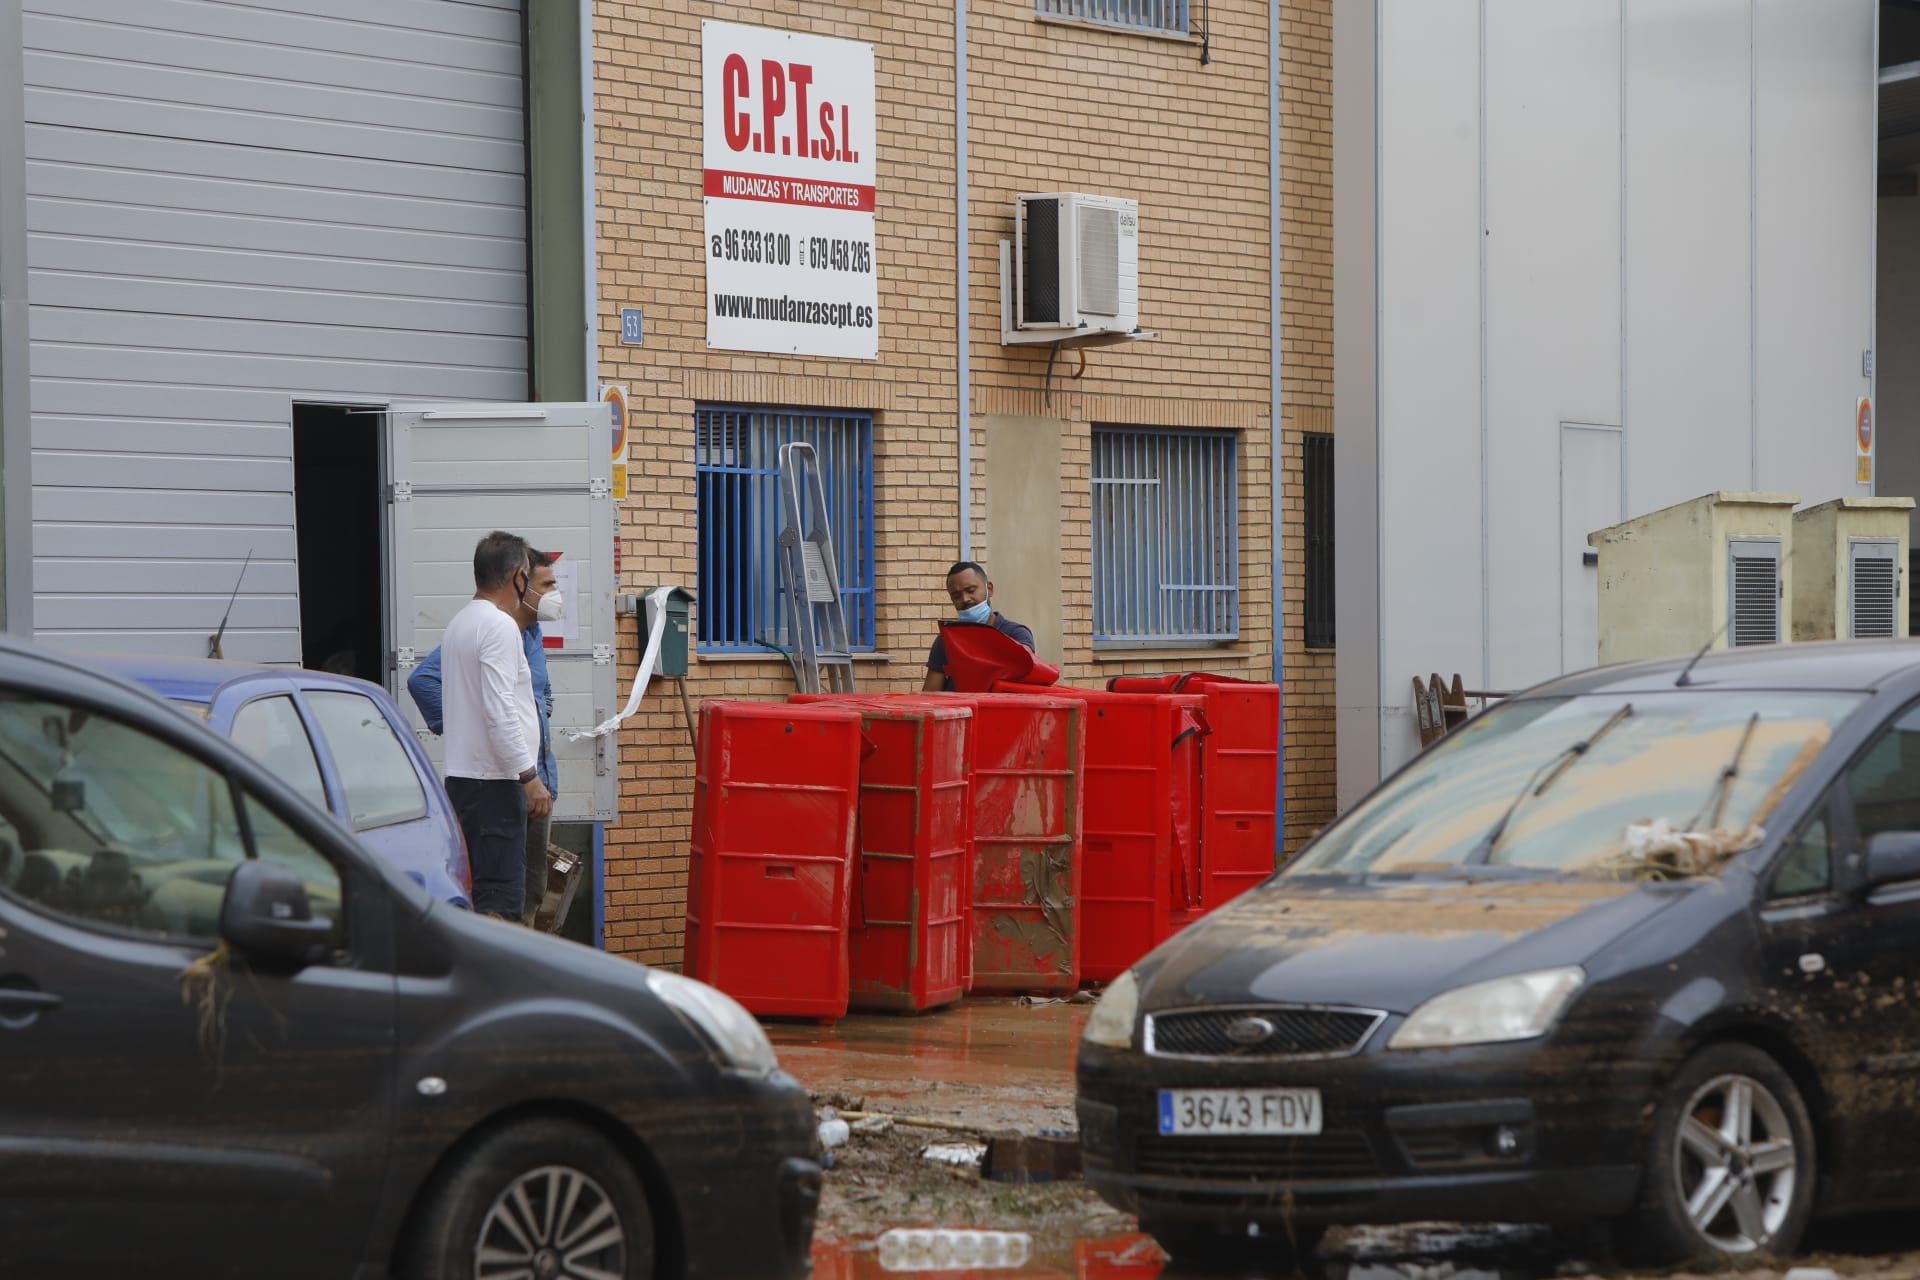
955,1153
1046,1156
882,1180
833,1130
912,1122
872,1124
1041,1002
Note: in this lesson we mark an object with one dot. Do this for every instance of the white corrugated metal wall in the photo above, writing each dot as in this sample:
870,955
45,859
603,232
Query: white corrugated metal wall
233,207
1627,238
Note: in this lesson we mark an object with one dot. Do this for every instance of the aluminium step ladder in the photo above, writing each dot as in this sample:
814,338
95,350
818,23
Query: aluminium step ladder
810,578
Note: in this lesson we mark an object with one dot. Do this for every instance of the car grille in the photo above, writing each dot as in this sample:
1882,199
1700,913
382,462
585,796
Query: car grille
1326,1155
1297,1032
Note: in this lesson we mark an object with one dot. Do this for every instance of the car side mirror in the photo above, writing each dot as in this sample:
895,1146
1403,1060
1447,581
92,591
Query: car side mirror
1892,856
266,915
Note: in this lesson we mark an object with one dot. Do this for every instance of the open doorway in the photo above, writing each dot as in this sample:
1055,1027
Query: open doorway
340,522
1897,267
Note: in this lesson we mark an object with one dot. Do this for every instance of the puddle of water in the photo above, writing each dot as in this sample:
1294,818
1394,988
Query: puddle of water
977,1041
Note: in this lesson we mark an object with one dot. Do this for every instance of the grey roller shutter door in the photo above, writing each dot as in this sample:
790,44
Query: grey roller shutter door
231,208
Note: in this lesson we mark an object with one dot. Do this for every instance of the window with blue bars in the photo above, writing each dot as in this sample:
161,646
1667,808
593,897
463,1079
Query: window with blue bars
1168,16
737,472
1166,537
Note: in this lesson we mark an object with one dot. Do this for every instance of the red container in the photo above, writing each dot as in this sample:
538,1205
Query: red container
909,942
1027,760
771,870
1028,774
1134,1256
1138,848
1239,778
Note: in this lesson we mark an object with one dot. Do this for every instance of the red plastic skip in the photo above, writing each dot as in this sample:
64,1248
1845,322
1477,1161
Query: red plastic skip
1239,778
909,943
1028,754
1029,759
1139,860
771,870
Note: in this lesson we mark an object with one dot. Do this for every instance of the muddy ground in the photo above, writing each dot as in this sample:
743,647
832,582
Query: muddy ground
1007,1065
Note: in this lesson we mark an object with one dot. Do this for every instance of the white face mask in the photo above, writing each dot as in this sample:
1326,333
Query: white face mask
552,605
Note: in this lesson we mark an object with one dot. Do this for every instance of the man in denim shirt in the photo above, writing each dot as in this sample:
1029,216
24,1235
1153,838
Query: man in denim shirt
424,685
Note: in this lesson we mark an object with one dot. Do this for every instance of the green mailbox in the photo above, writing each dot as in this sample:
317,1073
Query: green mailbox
673,644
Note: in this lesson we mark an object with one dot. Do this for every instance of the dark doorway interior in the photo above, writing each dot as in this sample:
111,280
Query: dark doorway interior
339,517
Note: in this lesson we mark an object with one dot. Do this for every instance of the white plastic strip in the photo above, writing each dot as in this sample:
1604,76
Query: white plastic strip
656,607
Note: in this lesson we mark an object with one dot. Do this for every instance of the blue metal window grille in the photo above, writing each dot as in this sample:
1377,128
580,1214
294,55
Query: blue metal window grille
737,472
1166,537
1136,15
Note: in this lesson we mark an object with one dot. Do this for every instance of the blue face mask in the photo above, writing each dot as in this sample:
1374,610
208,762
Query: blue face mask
977,613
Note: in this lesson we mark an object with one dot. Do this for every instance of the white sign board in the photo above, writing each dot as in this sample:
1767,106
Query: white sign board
789,156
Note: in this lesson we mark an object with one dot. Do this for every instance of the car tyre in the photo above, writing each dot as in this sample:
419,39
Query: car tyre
1731,1169
1273,1253
538,1197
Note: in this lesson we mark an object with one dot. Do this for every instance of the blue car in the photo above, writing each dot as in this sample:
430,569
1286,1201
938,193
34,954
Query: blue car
339,741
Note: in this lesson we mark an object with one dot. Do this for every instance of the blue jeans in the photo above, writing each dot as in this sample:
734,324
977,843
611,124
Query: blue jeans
493,817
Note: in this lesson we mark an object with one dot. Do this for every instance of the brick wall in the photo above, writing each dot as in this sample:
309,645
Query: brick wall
1306,282
1053,107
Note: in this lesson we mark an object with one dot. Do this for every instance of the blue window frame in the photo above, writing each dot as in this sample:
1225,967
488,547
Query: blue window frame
1168,16
737,471
1166,537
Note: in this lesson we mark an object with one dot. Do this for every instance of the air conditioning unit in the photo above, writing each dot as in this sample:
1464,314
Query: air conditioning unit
1076,264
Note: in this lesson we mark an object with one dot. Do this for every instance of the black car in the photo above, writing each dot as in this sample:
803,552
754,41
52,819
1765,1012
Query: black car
235,1042
1641,946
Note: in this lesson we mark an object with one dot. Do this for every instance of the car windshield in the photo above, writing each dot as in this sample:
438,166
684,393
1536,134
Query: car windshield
1655,779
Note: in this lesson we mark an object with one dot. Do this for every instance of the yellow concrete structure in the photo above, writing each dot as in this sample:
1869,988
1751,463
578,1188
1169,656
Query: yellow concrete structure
1846,553
1664,577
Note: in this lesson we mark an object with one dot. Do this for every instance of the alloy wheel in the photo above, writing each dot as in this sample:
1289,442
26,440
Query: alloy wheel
1735,1164
551,1223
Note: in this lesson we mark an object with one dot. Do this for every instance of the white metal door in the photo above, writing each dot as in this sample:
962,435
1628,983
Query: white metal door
1590,499
458,471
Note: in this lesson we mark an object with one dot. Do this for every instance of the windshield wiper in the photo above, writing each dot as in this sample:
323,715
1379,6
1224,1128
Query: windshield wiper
1559,763
1723,785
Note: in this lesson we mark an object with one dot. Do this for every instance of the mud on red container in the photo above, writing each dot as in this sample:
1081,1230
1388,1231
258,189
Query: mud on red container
1028,754
1138,862
908,939
1239,778
771,868
1029,757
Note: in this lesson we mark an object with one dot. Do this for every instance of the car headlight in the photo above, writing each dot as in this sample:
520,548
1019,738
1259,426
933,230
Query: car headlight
730,1029
1111,1022
1516,1008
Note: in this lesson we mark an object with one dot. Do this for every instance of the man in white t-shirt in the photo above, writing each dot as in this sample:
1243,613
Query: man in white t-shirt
492,726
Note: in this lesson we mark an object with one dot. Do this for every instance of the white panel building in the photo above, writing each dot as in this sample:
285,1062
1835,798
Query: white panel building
1592,258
